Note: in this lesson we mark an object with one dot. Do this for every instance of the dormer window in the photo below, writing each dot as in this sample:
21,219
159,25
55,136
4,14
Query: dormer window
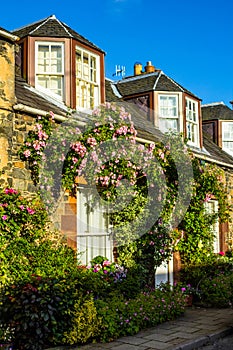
227,137
87,79
168,113
192,124
49,67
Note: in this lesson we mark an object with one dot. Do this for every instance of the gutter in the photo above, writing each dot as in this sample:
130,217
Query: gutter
208,159
23,108
214,161
9,35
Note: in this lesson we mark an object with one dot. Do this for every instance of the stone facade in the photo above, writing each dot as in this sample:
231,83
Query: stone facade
7,99
14,127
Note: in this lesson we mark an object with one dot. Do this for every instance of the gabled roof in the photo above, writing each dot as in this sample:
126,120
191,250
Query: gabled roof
52,27
217,110
156,81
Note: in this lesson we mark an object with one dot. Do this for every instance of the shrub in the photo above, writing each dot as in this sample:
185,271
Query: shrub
121,317
217,290
212,281
37,311
27,245
85,324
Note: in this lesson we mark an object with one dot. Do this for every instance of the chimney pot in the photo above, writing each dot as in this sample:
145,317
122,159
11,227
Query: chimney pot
149,68
137,68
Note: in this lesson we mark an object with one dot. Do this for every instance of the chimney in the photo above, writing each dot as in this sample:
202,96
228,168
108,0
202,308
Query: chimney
231,102
137,68
149,68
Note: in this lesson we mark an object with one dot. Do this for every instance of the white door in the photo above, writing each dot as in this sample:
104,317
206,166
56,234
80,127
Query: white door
93,232
212,208
164,273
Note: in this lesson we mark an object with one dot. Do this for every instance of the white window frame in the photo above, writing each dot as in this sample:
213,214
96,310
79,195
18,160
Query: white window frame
166,118
49,74
93,230
87,79
192,122
226,128
211,208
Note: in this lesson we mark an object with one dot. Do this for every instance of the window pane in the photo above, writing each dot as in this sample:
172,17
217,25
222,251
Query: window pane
87,86
43,58
227,131
192,130
50,63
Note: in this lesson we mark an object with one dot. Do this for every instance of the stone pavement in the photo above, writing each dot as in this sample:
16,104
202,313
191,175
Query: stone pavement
197,327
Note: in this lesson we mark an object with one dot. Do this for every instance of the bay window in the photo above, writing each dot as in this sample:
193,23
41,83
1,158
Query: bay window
87,79
192,123
49,67
168,113
227,137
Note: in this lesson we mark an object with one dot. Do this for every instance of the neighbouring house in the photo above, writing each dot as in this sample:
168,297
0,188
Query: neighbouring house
47,66
170,106
218,124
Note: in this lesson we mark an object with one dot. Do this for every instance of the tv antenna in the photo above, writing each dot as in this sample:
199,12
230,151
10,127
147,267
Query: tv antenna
119,71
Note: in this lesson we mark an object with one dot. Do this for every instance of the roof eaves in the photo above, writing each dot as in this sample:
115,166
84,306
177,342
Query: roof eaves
221,103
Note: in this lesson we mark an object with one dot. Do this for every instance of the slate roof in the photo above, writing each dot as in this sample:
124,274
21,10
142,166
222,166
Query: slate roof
216,110
29,96
156,81
52,27
145,129
110,92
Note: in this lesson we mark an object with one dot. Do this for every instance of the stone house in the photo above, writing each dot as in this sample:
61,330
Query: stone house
47,66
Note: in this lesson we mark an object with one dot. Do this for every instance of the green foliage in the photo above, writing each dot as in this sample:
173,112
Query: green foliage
122,317
37,311
212,281
85,323
108,280
20,215
27,245
196,244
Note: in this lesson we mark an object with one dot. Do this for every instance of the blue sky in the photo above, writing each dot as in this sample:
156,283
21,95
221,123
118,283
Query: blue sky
192,42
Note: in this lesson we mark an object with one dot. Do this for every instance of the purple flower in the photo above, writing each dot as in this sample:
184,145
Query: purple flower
4,217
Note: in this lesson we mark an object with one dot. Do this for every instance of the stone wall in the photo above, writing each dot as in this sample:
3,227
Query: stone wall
7,99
